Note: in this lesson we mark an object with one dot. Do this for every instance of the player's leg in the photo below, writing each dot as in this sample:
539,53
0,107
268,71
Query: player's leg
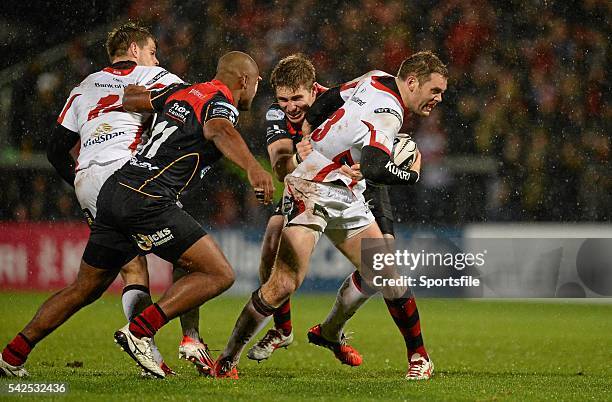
282,333
208,275
88,286
353,293
136,296
192,348
290,268
403,310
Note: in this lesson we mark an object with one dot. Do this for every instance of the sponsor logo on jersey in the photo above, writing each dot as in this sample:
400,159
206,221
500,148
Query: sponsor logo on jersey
320,211
146,242
144,165
275,114
390,111
204,170
358,101
274,131
178,112
394,169
107,85
156,78
102,134
224,110
197,93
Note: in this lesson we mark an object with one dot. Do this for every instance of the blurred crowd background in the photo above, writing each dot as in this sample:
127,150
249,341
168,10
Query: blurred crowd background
523,133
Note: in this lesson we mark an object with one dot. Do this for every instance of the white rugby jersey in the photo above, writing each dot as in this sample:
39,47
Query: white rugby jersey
94,110
372,114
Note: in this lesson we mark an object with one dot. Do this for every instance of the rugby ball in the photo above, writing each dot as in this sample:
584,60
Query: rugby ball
404,151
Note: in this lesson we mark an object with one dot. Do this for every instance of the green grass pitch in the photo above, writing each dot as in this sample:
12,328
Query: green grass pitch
483,350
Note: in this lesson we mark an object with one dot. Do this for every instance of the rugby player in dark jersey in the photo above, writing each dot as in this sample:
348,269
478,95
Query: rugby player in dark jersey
293,81
138,211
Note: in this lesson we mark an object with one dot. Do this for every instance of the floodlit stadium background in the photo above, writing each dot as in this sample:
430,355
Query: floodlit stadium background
522,136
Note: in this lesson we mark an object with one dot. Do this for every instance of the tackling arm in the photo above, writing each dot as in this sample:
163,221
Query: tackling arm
59,145
282,157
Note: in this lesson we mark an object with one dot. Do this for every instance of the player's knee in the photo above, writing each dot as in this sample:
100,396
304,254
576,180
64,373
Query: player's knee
225,278
286,285
135,272
84,293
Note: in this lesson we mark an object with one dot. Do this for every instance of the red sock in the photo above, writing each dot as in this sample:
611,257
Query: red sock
147,323
282,318
406,317
17,351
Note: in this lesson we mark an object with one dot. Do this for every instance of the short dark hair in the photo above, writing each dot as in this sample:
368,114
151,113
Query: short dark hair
422,65
120,38
293,71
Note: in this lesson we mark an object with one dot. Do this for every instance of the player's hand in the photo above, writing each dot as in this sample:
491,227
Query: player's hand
262,184
304,148
134,89
353,172
416,166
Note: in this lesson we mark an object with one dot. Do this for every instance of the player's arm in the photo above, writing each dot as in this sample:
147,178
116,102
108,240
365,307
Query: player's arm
330,101
137,98
229,141
377,166
376,158
59,145
282,158
280,143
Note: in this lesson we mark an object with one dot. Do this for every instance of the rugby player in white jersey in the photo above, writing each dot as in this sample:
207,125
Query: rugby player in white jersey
109,137
320,198
293,80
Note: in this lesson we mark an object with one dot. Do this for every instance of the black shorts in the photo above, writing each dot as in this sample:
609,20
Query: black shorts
377,198
129,223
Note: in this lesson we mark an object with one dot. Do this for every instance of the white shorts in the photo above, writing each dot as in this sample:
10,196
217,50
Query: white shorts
88,183
325,207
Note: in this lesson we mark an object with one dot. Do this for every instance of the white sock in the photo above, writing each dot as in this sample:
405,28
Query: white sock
190,321
348,301
135,299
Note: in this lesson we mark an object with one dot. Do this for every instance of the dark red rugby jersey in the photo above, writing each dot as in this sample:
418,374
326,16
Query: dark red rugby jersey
176,152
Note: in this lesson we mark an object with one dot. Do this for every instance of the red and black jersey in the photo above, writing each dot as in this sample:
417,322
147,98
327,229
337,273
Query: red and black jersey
278,126
176,153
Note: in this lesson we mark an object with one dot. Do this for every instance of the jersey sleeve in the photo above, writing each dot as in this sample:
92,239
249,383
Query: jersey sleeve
161,79
276,124
219,107
68,116
383,122
160,96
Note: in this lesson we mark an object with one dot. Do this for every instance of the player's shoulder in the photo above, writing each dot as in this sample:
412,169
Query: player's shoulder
275,113
384,90
150,76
